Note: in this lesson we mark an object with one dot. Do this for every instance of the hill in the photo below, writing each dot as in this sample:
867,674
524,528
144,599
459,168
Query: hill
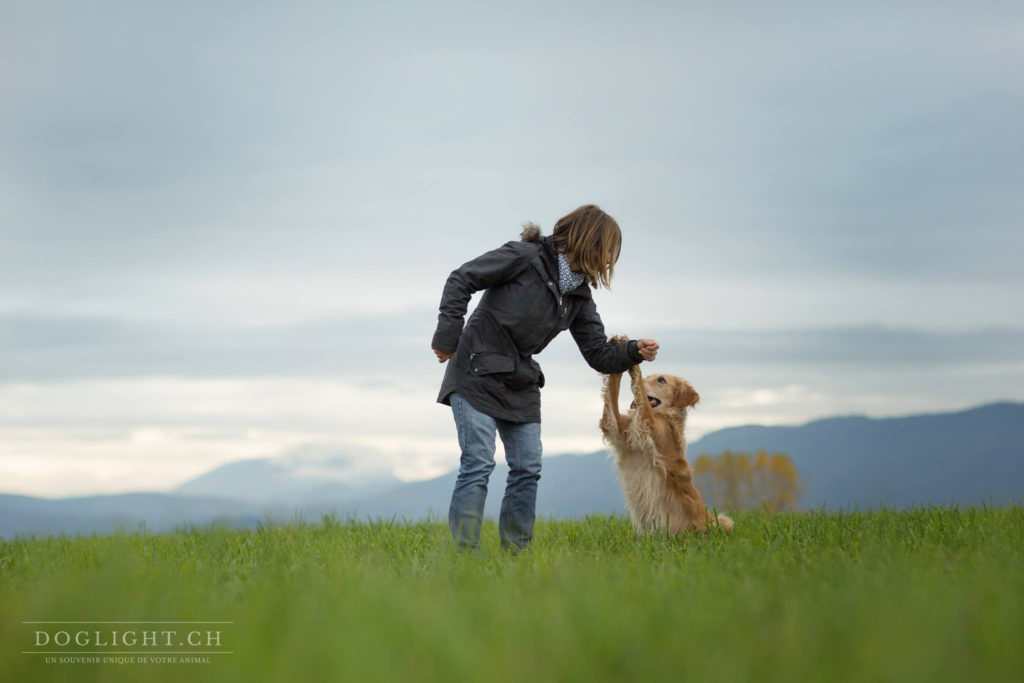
966,457
969,457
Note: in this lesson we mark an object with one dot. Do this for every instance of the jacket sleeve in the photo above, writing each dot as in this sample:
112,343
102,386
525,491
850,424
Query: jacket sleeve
491,268
600,354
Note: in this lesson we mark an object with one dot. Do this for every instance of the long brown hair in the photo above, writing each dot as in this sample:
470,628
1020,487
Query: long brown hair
591,240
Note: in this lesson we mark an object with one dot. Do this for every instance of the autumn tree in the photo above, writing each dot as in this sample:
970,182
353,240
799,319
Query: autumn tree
738,480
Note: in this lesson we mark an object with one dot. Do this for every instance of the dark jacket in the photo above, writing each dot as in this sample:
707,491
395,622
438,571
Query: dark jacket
520,312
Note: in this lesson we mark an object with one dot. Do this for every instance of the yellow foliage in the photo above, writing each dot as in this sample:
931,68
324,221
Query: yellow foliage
737,480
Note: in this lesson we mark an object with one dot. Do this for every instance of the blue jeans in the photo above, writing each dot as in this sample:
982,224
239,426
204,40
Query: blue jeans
522,452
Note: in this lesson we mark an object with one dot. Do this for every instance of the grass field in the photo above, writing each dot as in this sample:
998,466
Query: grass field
926,594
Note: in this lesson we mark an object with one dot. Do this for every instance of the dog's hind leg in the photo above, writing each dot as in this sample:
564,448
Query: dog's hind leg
723,522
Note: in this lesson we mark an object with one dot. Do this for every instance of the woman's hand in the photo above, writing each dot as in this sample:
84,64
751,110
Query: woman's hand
648,348
442,356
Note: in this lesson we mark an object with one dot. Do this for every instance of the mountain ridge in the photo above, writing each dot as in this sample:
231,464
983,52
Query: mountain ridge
970,456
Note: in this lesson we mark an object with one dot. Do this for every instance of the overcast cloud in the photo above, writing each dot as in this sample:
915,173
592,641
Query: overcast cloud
224,229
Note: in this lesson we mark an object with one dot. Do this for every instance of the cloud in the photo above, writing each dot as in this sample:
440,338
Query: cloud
156,150
745,398
394,348
108,407
225,232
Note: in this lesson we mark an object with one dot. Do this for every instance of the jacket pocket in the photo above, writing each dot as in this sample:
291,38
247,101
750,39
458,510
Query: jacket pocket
515,373
491,363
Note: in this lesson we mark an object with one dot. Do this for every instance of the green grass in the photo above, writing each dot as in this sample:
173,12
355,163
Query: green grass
925,594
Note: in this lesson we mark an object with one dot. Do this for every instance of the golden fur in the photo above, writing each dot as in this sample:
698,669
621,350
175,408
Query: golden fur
650,452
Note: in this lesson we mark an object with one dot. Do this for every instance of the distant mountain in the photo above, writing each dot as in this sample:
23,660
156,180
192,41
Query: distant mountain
967,457
252,480
24,515
304,475
570,486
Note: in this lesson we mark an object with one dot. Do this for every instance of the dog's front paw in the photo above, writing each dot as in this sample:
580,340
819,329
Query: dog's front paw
618,339
636,377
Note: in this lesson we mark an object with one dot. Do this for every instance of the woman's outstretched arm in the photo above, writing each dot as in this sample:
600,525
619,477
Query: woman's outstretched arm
601,354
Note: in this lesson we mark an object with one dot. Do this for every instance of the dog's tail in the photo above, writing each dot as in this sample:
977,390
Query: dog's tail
724,522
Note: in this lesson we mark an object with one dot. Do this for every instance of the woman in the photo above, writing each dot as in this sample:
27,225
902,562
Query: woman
535,288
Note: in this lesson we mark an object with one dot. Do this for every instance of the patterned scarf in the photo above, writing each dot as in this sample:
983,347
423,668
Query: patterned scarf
568,279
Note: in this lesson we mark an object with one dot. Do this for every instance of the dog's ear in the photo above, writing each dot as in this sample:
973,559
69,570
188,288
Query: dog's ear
686,396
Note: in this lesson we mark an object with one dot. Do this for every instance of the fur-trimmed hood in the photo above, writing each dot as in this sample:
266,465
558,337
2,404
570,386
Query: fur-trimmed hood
530,233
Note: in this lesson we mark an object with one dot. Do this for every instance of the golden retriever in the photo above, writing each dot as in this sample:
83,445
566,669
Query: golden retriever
650,453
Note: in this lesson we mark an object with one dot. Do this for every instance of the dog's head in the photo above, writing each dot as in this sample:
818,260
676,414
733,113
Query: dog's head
668,393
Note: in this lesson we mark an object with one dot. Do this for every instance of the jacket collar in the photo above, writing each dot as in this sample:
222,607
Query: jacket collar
547,261
551,258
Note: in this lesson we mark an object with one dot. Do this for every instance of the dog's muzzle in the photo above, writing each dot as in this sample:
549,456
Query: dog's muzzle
653,400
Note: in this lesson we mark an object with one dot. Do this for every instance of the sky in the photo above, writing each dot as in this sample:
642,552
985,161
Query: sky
224,229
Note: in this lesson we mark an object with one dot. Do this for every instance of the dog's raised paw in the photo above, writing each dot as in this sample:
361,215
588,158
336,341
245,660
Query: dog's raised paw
619,338
636,376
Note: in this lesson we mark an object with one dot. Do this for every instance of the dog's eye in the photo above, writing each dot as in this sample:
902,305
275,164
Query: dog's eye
662,380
